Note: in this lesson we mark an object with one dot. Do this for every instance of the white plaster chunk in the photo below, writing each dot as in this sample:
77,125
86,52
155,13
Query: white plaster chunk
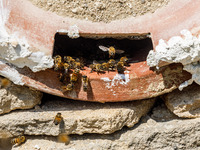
185,50
16,50
73,32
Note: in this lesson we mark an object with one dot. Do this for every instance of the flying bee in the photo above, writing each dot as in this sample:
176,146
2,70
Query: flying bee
69,87
124,60
111,63
120,66
111,50
19,140
74,75
63,138
58,65
105,66
58,119
85,82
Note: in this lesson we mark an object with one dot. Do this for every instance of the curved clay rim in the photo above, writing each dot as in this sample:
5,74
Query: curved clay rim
40,31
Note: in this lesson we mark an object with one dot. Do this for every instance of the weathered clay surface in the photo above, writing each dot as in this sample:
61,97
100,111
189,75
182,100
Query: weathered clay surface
18,97
19,19
79,118
184,103
149,134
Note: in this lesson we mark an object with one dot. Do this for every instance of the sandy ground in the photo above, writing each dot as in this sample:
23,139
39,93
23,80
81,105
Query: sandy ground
100,10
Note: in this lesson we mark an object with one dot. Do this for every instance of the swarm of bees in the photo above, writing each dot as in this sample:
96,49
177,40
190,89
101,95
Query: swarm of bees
70,68
18,140
111,64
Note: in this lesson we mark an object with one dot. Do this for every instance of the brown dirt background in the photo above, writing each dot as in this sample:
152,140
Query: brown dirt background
100,10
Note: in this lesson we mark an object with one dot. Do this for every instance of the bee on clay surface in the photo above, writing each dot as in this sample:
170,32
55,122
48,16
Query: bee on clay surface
68,59
74,75
63,138
69,87
92,67
78,64
58,64
124,60
85,82
111,63
18,140
97,66
120,66
66,67
111,50
58,118
105,66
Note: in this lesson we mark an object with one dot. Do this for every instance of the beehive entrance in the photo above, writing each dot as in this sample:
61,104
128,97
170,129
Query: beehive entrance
88,48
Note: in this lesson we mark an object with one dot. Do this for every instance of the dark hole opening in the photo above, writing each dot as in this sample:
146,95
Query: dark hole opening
88,48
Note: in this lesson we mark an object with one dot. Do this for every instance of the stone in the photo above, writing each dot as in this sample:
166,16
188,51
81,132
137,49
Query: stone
15,97
160,112
186,103
79,117
148,134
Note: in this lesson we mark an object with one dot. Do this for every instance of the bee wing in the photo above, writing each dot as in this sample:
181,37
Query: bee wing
103,48
118,51
95,62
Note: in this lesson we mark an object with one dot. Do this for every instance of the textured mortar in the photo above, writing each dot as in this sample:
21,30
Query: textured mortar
79,118
97,11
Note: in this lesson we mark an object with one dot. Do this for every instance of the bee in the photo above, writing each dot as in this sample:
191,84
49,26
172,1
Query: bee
97,66
111,63
120,66
64,76
124,60
68,59
63,138
78,64
19,140
58,119
69,87
5,83
111,50
85,82
58,65
92,67
105,66
74,75
57,59
66,67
